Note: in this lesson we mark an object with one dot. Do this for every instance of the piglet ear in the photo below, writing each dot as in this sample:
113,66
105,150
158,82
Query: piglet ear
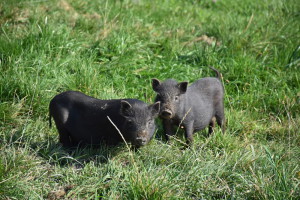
155,108
183,86
155,84
125,107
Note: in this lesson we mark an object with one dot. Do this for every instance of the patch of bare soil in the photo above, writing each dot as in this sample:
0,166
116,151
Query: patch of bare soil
64,5
204,38
60,193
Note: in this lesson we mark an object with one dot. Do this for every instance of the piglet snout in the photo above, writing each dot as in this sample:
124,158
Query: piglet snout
166,113
141,141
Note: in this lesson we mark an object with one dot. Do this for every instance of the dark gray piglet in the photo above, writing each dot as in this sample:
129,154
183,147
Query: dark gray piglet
81,119
194,107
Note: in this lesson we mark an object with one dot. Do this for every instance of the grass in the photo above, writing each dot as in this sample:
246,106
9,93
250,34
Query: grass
112,49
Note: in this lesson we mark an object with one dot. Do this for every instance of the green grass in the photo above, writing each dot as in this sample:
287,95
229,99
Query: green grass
112,49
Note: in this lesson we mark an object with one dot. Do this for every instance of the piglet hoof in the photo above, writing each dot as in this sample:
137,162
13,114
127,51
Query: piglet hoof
169,139
189,141
134,148
185,147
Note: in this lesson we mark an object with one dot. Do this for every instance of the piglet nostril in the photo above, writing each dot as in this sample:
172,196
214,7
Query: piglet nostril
166,113
141,140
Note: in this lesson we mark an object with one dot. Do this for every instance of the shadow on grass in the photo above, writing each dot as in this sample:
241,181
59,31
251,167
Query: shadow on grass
79,156
54,153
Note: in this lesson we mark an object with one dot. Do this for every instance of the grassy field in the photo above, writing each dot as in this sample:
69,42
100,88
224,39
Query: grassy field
111,49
